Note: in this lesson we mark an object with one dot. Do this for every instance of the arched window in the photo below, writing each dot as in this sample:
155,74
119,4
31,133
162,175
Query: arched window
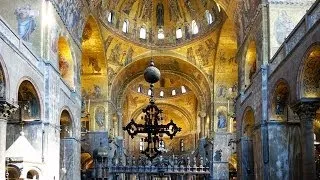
209,17
110,17
141,144
161,93
194,27
183,89
143,33
139,89
179,33
149,92
125,27
160,34
173,93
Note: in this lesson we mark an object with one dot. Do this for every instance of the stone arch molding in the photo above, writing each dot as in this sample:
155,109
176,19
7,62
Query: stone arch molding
4,80
309,73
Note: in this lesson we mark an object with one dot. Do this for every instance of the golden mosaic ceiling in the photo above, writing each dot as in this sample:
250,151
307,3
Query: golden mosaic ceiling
167,23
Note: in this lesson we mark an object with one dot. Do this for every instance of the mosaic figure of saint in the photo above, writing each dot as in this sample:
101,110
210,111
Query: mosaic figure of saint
222,121
26,21
160,15
100,116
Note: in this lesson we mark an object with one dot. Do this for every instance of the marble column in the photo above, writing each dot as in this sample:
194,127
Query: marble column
202,124
5,111
307,112
120,124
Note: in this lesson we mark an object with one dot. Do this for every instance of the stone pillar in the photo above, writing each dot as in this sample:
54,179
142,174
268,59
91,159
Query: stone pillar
120,124
3,128
307,112
5,111
202,123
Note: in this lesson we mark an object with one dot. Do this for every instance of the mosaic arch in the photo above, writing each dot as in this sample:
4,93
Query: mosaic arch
66,62
310,73
279,101
166,64
94,76
29,102
250,65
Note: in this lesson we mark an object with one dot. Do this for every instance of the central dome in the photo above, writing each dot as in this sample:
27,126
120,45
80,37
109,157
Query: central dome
161,23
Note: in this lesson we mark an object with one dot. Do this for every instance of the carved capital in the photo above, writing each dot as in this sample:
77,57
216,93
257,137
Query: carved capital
306,110
6,110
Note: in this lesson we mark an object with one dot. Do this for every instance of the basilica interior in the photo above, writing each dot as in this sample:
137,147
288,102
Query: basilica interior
159,89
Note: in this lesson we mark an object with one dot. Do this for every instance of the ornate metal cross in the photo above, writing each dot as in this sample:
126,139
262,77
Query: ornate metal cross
153,127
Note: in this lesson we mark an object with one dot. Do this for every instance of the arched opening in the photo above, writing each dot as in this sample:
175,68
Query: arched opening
160,34
66,128
86,165
125,26
32,174
143,33
247,149
280,99
194,27
13,172
29,104
209,17
179,33
110,16
66,64
65,125
250,65
310,77
94,76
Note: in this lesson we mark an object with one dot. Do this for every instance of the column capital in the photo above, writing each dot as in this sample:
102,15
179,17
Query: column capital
306,110
202,114
6,109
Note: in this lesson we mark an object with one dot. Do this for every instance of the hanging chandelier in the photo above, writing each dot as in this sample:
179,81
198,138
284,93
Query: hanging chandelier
152,127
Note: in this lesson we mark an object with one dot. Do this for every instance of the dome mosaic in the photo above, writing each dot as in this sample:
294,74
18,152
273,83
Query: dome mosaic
161,23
